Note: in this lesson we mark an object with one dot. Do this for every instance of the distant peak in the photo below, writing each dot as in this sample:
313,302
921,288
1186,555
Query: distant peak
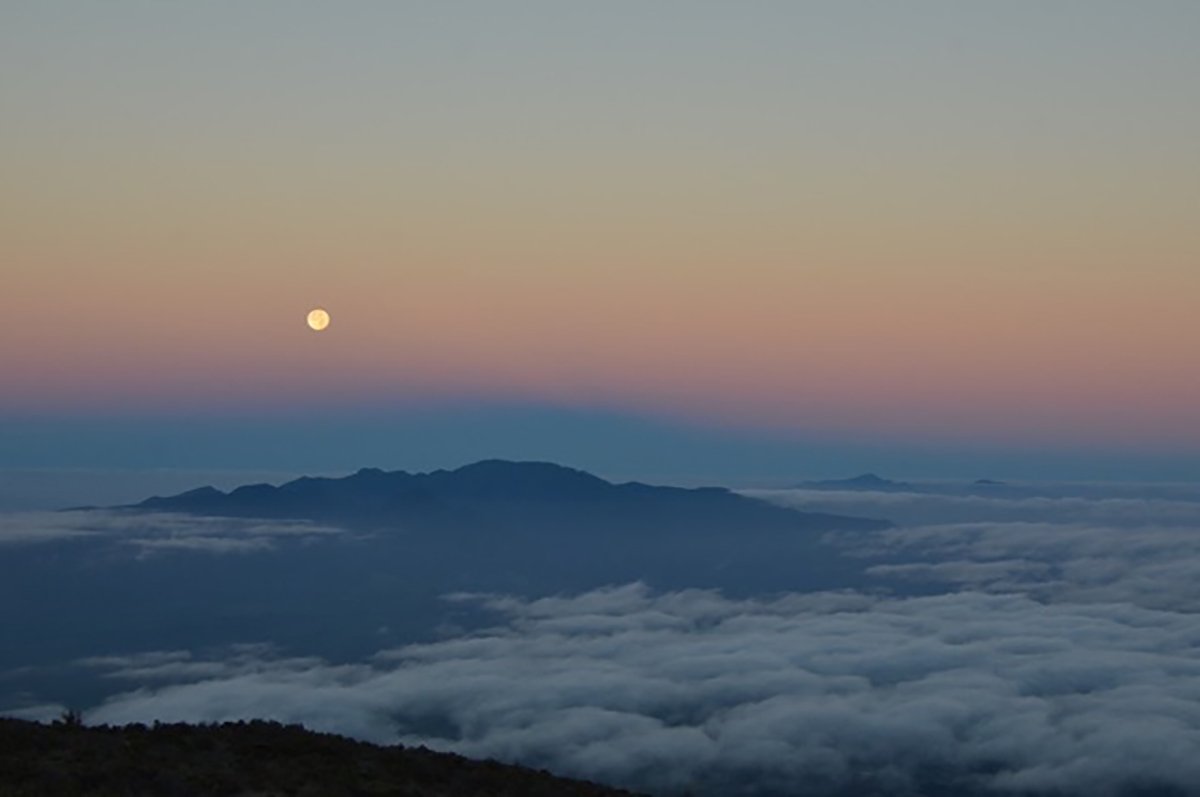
870,478
531,468
512,464
368,472
207,491
864,481
203,494
506,474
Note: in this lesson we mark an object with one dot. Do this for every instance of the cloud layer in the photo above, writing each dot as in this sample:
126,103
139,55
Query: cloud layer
1129,506
155,531
1153,567
839,692
1024,645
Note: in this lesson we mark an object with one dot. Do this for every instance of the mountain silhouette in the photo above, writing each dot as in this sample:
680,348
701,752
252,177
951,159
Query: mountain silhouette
207,568
503,492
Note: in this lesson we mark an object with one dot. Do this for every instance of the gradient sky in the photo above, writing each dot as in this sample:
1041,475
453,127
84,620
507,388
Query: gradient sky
910,224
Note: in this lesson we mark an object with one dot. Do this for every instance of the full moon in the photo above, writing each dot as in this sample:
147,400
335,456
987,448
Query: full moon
318,319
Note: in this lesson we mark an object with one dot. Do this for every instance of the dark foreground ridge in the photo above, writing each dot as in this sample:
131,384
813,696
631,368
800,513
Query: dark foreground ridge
264,759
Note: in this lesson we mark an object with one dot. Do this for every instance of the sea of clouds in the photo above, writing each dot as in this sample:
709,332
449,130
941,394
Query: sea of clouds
1053,648
148,532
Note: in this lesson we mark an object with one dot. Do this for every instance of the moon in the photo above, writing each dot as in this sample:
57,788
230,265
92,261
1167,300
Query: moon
318,319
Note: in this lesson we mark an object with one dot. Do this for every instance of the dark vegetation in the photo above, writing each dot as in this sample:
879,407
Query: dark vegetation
259,759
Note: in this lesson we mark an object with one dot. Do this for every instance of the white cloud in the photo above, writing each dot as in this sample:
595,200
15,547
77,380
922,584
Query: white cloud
182,665
156,531
31,527
694,690
1061,657
38,712
1181,509
1148,566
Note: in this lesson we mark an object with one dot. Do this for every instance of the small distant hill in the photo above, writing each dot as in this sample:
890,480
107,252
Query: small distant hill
263,759
867,482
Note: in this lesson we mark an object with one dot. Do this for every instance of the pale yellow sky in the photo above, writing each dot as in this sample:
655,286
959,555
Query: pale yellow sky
940,219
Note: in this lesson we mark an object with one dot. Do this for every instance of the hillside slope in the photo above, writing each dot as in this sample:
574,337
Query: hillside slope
264,759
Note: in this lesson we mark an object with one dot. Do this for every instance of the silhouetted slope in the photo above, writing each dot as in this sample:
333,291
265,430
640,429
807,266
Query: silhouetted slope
264,759
511,492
